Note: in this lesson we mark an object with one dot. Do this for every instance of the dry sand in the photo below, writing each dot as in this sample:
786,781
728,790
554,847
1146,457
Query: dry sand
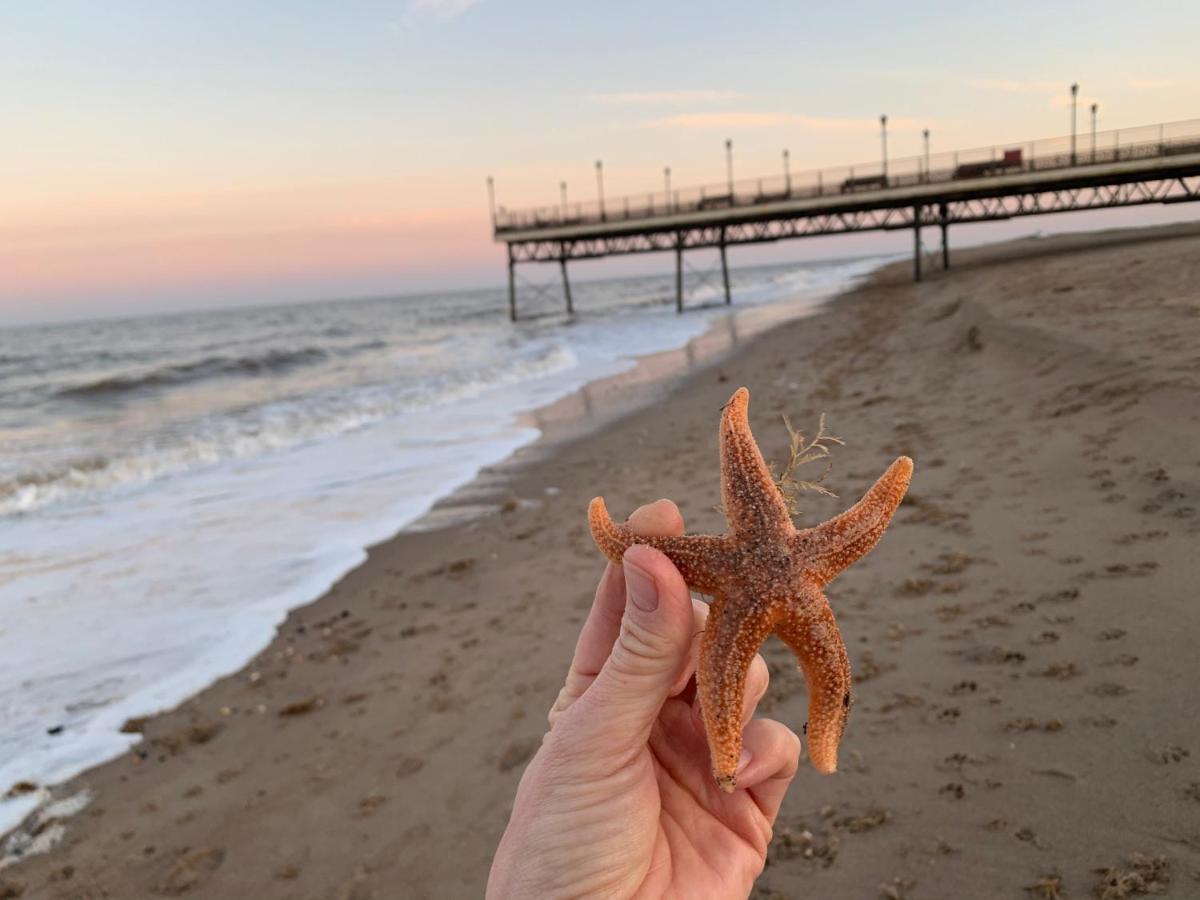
1024,639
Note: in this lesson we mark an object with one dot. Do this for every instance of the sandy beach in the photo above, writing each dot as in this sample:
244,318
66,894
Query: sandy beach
1022,639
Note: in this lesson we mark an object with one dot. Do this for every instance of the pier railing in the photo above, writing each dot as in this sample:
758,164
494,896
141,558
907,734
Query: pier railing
1087,149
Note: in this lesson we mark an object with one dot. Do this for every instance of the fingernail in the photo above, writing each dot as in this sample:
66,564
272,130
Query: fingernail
643,593
743,760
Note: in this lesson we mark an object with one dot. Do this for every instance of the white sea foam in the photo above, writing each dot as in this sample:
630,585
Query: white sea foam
168,559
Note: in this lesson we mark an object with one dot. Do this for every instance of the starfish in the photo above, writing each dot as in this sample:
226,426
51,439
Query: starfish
765,576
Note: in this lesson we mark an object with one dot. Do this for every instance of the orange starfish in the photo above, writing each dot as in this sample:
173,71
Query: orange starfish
765,576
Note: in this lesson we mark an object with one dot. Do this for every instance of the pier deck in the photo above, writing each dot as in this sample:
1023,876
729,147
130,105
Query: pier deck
1131,167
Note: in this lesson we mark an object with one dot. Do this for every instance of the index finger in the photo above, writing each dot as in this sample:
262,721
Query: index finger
658,519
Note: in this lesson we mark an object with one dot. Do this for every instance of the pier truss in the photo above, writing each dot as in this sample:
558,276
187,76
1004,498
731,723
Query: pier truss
1130,174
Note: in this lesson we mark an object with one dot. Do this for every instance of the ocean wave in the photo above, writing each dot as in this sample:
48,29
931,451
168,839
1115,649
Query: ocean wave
271,362
266,428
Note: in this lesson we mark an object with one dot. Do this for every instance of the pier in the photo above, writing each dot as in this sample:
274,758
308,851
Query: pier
1127,167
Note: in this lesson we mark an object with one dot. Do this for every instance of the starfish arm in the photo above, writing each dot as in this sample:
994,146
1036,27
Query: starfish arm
732,636
749,495
833,546
701,559
809,629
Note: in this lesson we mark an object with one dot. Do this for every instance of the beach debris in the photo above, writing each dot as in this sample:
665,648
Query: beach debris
20,789
765,576
801,452
368,804
799,841
1048,887
301,707
1142,875
44,827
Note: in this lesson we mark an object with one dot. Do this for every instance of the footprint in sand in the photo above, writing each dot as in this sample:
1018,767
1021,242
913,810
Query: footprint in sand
1122,659
1066,595
190,870
1060,671
1167,754
1139,536
1108,689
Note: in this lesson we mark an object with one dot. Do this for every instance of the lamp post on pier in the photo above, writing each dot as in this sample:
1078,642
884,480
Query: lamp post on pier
925,134
729,166
1074,103
492,200
787,173
667,186
562,187
600,187
883,134
1095,109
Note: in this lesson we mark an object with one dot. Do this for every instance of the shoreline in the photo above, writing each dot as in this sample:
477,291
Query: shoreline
403,704
578,412
598,404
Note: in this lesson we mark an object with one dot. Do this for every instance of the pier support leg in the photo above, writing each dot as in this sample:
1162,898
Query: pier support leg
512,286
916,243
725,270
943,214
679,274
562,261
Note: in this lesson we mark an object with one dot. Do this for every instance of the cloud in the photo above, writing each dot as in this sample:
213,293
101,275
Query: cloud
779,120
442,8
1058,92
1010,86
1146,84
665,98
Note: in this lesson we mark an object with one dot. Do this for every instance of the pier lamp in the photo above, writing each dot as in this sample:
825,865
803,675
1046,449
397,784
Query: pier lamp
1095,109
492,199
600,187
1074,103
787,173
667,184
925,134
883,133
562,187
729,165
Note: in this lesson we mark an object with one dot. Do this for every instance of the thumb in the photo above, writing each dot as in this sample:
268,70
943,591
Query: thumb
651,649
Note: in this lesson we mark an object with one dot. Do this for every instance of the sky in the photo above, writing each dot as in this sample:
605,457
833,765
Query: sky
163,155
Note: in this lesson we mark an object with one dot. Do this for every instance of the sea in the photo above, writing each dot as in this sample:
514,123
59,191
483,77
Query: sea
172,485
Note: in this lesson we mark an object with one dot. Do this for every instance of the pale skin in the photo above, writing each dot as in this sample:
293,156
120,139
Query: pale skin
620,800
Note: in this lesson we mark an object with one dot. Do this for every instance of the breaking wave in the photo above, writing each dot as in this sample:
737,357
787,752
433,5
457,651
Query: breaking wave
270,362
261,429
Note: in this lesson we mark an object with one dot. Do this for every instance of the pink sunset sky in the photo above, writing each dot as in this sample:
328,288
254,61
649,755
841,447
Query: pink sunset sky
161,156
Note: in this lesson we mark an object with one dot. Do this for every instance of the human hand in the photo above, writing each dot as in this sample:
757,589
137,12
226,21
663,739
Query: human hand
620,800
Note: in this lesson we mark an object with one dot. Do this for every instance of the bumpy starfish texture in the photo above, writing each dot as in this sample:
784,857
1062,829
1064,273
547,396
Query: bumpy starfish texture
765,577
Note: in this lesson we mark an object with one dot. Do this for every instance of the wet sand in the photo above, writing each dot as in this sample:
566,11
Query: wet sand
1023,639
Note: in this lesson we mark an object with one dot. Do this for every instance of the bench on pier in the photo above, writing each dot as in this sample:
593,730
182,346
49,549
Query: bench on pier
718,201
863,183
1011,159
